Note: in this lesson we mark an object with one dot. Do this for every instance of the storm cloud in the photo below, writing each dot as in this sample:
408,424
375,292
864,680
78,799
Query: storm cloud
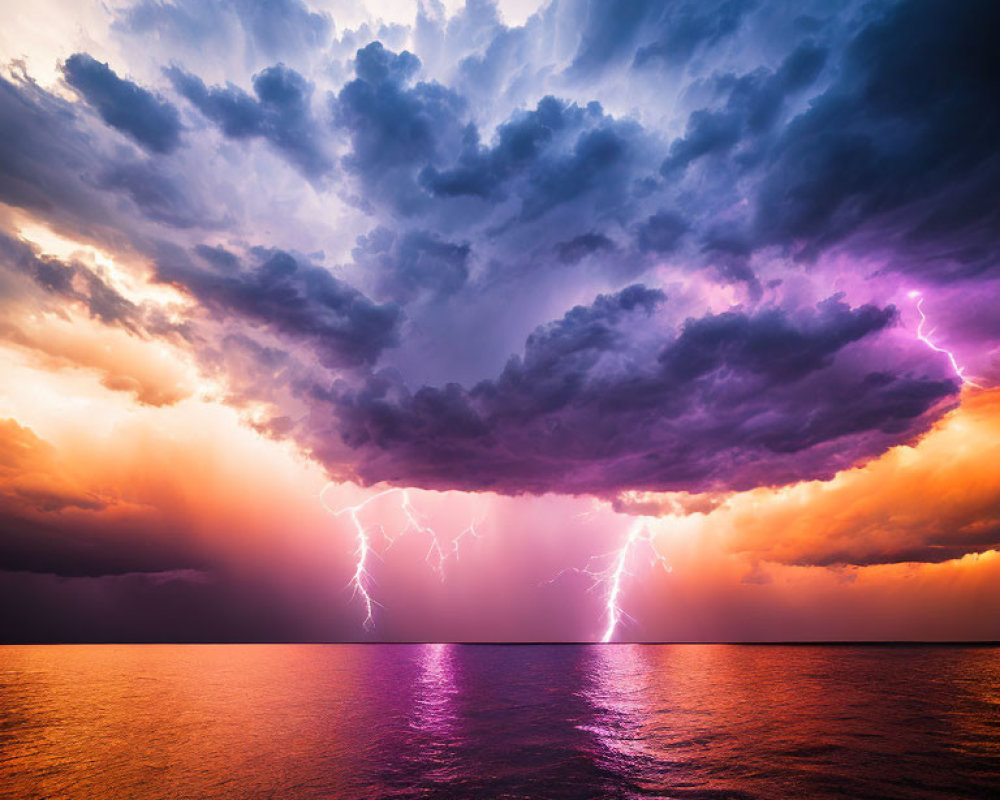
151,121
732,401
297,300
280,113
724,261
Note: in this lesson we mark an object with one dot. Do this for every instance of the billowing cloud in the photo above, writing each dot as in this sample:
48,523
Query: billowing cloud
731,402
651,32
300,301
31,473
940,503
682,260
62,169
280,114
413,263
394,129
753,104
151,121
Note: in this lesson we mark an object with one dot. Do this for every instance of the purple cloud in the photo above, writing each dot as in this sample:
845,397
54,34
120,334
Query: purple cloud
732,401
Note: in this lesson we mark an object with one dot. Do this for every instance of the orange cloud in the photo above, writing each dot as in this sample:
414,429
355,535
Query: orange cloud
30,474
936,500
148,370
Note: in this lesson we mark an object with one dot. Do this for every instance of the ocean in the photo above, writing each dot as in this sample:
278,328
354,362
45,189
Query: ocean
499,721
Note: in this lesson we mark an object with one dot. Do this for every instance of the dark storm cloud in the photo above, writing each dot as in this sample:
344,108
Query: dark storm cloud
50,274
549,156
526,200
45,527
41,149
158,195
581,246
559,171
148,119
682,28
650,31
394,129
293,299
661,233
173,605
219,257
415,152
896,158
106,304
413,262
569,186
769,343
753,104
52,543
733,401
954,547
280,113
54,165
903,145
598,163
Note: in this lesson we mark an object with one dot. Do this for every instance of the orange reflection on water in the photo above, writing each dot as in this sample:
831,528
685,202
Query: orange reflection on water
793,721
150,720
450,721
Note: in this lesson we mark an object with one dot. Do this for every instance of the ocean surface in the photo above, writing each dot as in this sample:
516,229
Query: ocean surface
460,721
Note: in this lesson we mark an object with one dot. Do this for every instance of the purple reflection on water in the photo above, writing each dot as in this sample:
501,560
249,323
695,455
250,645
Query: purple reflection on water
454,721
433,709
621,680
433,716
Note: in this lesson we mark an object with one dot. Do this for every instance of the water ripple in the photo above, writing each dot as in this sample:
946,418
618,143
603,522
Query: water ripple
450,721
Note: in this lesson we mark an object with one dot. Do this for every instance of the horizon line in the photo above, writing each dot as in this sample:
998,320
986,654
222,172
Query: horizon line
477,643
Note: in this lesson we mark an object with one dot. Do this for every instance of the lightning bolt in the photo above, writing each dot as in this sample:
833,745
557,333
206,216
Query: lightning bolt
437,553
615,570
925,338
470,530
361,577
611,576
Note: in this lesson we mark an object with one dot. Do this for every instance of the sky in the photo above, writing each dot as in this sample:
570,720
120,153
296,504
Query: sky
571,321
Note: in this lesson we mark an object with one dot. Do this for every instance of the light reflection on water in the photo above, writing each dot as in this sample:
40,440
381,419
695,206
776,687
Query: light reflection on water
452,721
435,747
434,703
